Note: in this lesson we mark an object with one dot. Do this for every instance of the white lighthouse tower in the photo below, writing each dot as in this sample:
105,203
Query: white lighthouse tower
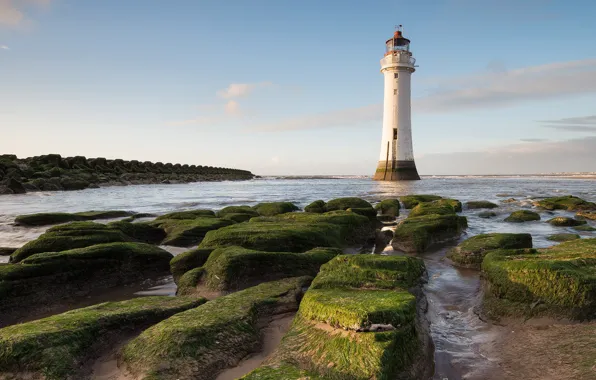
396,161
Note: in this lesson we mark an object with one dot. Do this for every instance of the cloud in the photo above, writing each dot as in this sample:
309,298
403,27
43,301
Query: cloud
533,140
238,90
4,47
573,124
339,118
232,108
12,12
494,89
574,155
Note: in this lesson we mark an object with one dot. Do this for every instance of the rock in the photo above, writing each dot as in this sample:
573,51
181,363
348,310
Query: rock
473,205
454,203
410,201
12,186
568,202
388,207
563,237
370,213
177,348
346,203
432,208
275,208
238,218
561,221
317,207
471,252
188,260
143,232
386,218
53,347
6,251
74,184
587,215
192,214
561,277
30,186
522,216
48,218
416,234
236,210
187,232
487,214
584,227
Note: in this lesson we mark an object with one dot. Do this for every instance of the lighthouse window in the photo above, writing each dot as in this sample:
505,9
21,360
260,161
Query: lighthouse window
395,91
394,134
395,75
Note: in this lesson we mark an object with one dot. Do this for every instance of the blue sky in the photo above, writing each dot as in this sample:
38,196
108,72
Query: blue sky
279,87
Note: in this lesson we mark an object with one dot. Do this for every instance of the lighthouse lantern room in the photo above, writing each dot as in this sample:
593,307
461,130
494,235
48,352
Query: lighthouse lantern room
396,161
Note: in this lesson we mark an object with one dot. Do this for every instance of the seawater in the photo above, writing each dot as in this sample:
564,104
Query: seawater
462,341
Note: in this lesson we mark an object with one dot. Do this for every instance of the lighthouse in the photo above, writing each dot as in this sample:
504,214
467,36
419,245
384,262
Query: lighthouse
396,162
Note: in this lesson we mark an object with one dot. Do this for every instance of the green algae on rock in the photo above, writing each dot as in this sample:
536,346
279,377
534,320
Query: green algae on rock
473,205
562,277
487,214
44,219
143,232
471,252
416,234
214,336
563,237
236,210
57,347
521,216
432,208
275,208
388,207
191,214
569,202
562,221
7,251
457,206
584,227
587,215
186,232
340,204
283,371
238,217
410,201
69,236
370,213
317,207
188,260
235,268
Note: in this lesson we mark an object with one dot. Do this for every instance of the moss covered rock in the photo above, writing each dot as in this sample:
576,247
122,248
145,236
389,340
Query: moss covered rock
187,232
44,219
317,207
487,214
457,206
562,277
562,221
57,347
521,216
188,260
6,251
191,214
370,213
569,202
410,201
236,210
473,205
388,207
416,234
563,237
432,208
143,232
238,218
587,215
585,228
471,252
346,203
282,371
69,236
205,340
275,208
235,268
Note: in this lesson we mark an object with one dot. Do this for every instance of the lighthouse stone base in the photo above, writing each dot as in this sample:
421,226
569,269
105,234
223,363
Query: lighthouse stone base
396,171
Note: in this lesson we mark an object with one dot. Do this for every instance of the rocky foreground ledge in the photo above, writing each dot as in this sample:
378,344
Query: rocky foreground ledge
52,172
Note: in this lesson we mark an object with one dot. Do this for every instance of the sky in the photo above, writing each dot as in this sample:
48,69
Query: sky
294,87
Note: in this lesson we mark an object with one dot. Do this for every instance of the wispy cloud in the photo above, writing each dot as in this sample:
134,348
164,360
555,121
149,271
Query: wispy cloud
4,47
13,12
238,90
339,118
533,140
573,124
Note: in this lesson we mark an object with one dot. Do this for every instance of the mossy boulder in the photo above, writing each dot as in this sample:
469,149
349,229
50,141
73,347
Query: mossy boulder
432,208
235,268
471,252
487,214
457,206
521,216
213,336
388,207
568,202
285,371
370,213
340,204
411,201
386,218
416,234
191,214
275,208
473,205
44,219
7,251
587,215
562,221
563,237
237,217
187,232
317,207
585,228
562,277
143,232
58,347
236,210
188,260
69,236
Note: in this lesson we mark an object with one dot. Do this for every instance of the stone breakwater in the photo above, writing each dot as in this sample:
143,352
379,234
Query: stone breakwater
52,172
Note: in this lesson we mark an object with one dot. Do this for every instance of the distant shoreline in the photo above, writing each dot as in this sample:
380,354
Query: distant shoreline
446,176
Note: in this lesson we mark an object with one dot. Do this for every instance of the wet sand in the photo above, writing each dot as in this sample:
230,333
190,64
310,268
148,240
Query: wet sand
272,335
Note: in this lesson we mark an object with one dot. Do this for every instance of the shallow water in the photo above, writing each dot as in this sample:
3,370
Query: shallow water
462,340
